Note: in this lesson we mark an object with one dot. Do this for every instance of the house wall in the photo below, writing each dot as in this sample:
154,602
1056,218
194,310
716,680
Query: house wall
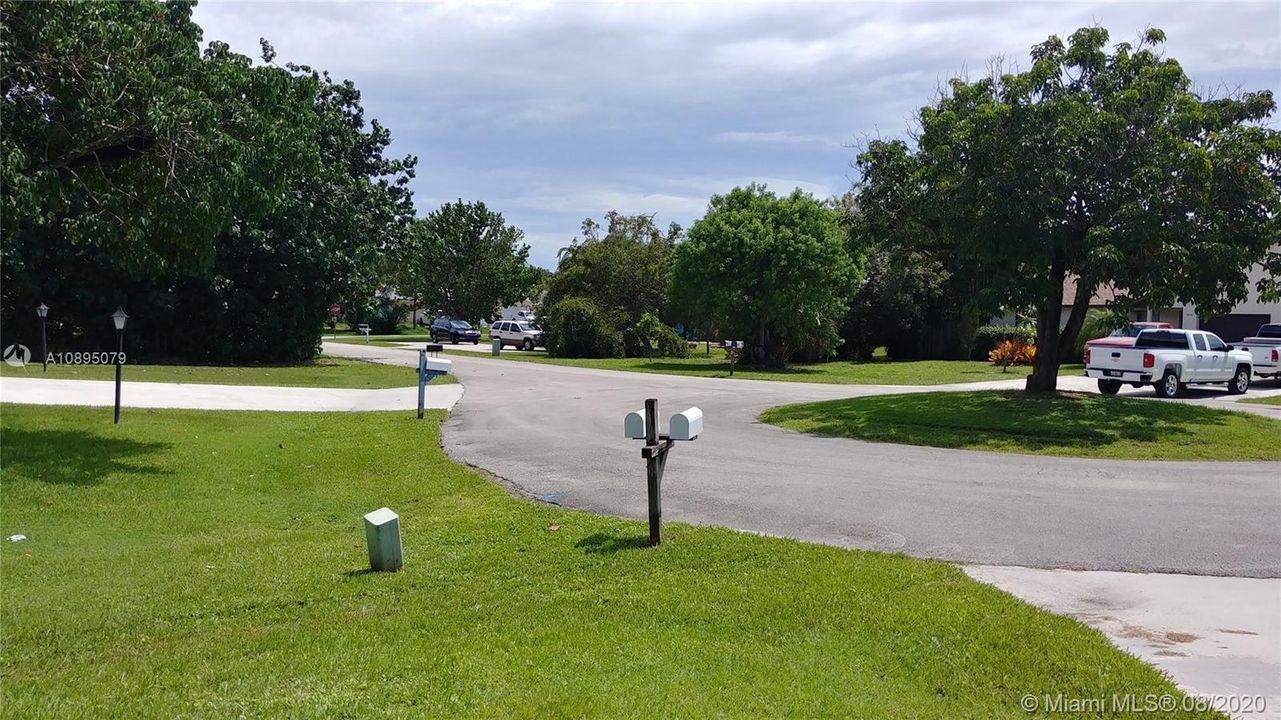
1268,312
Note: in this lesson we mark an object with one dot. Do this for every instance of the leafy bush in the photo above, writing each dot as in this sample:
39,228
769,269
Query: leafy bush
577,328
651,337
1096,325
988,337
1013,352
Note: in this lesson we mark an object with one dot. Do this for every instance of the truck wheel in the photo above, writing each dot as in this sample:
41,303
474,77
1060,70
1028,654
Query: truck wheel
1168,387
1240,382
1109,387
529,344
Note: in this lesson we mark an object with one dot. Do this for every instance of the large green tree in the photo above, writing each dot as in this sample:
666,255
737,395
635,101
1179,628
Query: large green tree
225,232
623,266
774,271
464,260
1096,163
622,269
119,134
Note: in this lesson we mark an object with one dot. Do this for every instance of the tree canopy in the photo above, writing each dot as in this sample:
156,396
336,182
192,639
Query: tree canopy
774,271
224,203
1099,165
623,273
464,260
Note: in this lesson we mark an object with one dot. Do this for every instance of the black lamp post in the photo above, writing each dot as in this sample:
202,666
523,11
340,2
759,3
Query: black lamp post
43,312
118,318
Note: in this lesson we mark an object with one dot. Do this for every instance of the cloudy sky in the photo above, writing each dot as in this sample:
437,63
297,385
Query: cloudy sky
552,112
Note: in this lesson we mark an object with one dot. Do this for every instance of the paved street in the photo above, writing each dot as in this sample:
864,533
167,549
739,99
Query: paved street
556,433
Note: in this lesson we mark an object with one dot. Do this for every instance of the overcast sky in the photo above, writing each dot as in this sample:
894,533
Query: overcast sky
553,112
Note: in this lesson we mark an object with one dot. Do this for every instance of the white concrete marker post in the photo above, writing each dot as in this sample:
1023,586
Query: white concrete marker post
382,535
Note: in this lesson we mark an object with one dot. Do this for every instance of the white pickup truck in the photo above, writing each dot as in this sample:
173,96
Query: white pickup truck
1265,348
1170,360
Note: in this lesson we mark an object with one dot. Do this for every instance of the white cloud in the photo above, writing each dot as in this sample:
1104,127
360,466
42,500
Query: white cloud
554,111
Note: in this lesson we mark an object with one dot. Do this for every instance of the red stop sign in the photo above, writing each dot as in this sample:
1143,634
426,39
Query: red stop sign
335,309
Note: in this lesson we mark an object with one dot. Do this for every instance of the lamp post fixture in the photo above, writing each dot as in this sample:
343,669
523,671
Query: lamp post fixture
43,312
118,318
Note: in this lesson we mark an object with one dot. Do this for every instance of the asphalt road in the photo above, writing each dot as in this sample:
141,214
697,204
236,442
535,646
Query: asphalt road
556,433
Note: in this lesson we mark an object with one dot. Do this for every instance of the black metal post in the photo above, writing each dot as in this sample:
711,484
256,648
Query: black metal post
654,472
44,345
120,334
422,381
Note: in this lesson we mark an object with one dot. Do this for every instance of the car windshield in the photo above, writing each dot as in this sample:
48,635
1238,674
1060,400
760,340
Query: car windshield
461,324
527,327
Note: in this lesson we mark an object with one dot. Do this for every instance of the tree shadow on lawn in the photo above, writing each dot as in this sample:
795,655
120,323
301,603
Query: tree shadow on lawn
73,457
602,544
677,366
1012,419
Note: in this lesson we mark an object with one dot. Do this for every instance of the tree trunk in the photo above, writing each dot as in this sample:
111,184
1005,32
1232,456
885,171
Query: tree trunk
1076,320
1045,368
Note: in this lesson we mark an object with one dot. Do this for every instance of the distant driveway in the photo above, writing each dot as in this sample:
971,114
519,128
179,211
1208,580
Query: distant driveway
556,433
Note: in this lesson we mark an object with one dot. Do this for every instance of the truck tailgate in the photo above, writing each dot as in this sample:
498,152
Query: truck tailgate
1114,361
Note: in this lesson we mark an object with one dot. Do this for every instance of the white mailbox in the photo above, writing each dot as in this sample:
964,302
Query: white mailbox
634,425
687,425
439,365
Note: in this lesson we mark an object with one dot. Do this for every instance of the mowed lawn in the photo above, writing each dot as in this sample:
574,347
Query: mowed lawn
874,372
212,564
1076,424
323,372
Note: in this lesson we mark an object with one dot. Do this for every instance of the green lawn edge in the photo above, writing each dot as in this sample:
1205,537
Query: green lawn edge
1271,400
841,372
1066,424
215,562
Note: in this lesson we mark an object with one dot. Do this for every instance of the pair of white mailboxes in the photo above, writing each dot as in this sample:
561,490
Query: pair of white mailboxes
686,425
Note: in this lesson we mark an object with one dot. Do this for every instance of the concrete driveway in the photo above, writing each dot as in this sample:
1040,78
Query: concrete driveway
556,433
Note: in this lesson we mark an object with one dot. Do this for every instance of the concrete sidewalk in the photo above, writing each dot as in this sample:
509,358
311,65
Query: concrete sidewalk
1218,637
101,393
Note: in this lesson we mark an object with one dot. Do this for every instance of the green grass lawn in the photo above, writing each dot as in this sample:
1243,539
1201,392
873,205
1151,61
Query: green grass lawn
212,564
875,372
1076,424
324,372
1273,400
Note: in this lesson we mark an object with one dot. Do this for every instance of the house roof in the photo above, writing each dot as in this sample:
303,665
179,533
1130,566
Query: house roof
1103,294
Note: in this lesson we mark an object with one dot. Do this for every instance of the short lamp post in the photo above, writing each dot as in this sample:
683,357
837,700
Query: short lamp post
119,318
43,312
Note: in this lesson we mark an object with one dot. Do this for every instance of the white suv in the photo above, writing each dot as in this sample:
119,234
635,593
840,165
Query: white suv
517,333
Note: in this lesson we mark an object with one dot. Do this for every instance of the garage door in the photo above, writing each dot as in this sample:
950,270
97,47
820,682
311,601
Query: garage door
1236,326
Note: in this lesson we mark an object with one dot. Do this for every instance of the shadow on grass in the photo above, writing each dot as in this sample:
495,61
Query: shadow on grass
1014,420
72,457
602,544
680,366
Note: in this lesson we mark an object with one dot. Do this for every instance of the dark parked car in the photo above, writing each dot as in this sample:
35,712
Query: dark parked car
455,331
